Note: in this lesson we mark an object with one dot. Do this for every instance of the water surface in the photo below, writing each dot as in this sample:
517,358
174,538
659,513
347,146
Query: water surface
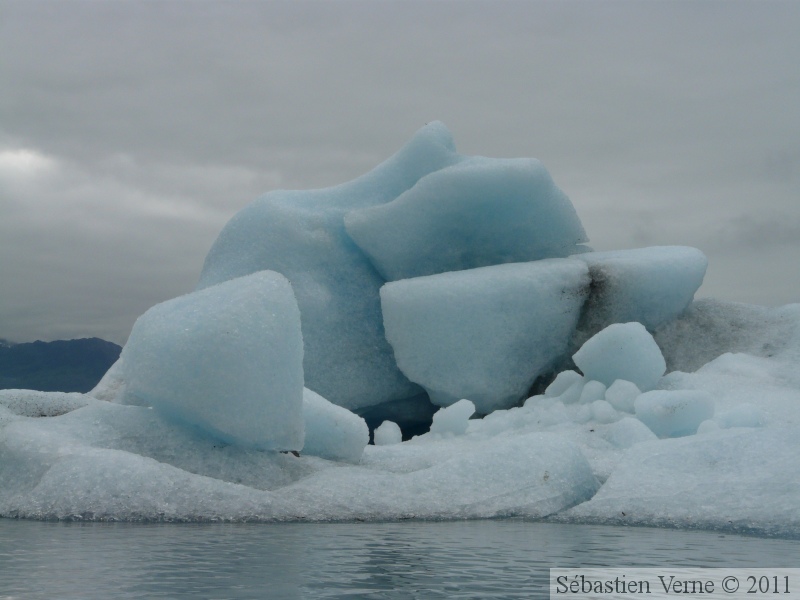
463,559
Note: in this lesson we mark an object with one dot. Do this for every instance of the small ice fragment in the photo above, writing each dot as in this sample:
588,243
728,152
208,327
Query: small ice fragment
603,412
593,390
562,382
628,432
621,395
387,434
454,418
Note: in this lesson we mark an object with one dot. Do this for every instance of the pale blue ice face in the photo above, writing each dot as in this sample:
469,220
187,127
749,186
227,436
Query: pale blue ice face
227,359
622,351
484,334
301,235
479,212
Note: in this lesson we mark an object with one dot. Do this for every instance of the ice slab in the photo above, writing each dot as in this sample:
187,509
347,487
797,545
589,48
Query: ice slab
652,286
622,351
480,212
301,235
227,359
484,334
674,413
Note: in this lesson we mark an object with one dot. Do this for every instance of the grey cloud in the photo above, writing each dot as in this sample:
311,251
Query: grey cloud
664,122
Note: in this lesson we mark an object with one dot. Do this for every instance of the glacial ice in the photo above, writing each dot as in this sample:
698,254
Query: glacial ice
388,433
194,421
331,431
674,413
227,359
453,419
301,235
622,351
477,213
651,286
484,334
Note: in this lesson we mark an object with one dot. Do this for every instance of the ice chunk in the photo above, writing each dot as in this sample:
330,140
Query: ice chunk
454,418
649,285
484,334
301,235
573,393
622,351
477,213
621,395
592,390
562,382
387,434
227,359
674,413
603,412
332,432
628,432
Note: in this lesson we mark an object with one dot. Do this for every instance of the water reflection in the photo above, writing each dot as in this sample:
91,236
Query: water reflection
465,559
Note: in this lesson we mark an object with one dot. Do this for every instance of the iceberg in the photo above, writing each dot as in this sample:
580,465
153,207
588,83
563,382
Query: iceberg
445,304
301,235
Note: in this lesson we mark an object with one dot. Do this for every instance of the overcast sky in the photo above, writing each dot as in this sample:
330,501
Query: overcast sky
130,132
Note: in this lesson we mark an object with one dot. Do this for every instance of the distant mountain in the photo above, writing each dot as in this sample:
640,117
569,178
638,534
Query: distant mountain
60,366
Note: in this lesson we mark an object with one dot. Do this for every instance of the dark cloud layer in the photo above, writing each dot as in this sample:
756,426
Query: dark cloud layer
131,131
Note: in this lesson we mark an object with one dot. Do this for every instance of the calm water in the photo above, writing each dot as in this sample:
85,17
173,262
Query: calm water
466,559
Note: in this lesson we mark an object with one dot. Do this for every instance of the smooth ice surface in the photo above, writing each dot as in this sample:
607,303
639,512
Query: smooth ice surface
622,351
649,285
227,359
388,433
480,212
331,431
301,235
484,334
674,413
453,419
